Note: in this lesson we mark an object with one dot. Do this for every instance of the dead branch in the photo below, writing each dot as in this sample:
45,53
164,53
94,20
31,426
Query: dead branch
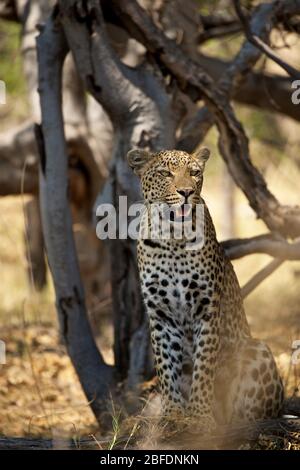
241,83
264,91
261,45
268,92
217,26
267,244
19,157
219,32
95,376
259,277
234,77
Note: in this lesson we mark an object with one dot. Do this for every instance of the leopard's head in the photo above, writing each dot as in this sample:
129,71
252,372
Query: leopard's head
172,177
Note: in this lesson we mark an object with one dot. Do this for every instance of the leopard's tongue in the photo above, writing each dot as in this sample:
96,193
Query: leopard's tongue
183,211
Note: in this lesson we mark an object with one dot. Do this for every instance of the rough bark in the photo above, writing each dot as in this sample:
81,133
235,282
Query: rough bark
95,376
268,244
275,93
34,243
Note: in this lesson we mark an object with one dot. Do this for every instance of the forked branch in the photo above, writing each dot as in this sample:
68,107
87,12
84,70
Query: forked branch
261,45
233,142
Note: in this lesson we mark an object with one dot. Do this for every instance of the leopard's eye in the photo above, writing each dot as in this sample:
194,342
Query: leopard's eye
195,172
165,173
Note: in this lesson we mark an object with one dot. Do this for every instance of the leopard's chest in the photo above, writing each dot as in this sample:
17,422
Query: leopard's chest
175,280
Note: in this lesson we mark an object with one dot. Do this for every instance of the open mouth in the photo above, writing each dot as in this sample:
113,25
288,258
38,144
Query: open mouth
181,213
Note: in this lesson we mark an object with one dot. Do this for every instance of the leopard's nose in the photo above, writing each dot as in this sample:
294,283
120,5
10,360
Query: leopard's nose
186,192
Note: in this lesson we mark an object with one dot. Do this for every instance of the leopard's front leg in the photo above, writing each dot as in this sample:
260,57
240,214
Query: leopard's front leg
206,345
166,337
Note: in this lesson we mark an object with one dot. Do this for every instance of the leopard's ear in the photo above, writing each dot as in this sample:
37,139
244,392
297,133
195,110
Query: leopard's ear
137,158
202,155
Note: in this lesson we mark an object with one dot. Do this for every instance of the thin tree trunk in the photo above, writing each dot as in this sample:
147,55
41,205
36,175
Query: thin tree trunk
34,243
137,104
95,376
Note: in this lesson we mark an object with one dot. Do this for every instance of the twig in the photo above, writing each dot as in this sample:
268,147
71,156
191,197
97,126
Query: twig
259,277
261,45
268,244
233,142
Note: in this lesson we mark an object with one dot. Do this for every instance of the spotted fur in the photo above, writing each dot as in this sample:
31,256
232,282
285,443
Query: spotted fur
209,367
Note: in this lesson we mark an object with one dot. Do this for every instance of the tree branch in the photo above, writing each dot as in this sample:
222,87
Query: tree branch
241,83
259,277
261,45
267,244
217,26
233,142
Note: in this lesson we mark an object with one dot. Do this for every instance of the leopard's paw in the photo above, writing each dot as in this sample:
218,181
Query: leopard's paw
203,424
173,420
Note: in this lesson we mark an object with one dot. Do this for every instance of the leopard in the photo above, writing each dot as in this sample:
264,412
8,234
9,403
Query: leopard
210,369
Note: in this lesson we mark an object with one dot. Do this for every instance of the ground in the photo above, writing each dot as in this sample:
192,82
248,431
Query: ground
39,392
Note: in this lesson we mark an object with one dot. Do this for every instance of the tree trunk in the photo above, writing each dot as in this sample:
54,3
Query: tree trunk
34,243
137,103
95,376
